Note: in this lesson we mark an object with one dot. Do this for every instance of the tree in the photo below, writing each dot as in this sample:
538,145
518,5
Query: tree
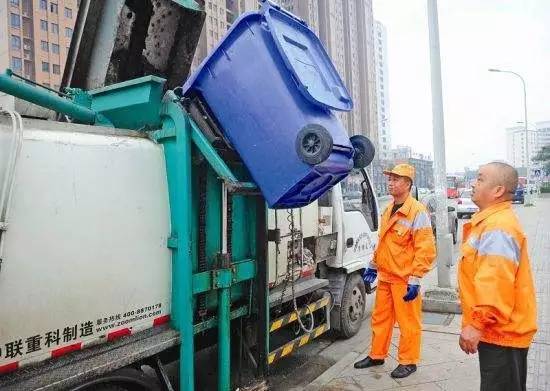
543,156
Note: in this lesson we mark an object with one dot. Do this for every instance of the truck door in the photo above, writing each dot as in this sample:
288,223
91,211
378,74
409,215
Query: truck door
357,219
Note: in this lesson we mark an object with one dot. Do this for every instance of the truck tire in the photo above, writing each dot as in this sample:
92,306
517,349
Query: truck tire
352,310
109,387
125,379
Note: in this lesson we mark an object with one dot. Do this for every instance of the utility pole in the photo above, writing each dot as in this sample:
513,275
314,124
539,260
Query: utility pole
444,238
528,198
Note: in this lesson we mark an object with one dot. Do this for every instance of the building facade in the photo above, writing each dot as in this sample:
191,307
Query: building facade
382,84
543,134
38,36
516,153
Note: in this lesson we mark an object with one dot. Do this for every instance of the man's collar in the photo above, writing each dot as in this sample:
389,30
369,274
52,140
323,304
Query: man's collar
406,207
480,216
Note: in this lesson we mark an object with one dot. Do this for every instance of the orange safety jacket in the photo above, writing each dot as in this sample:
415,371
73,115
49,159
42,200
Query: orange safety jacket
406,248
496,286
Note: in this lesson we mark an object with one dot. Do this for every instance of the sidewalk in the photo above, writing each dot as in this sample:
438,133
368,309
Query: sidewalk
444,366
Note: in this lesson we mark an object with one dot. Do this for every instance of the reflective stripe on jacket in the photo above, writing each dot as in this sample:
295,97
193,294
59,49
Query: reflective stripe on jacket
495,281
406,247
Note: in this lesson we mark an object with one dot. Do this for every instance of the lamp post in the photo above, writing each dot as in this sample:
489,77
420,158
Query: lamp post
444,238
528,201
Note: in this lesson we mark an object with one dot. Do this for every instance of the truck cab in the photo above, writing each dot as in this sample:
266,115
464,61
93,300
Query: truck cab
334,241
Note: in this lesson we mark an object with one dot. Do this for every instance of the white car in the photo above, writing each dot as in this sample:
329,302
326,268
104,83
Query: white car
465,205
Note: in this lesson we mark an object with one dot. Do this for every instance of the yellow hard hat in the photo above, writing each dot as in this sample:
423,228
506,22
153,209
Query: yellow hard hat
405,170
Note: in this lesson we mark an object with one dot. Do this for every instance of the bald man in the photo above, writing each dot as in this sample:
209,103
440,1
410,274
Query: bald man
496,286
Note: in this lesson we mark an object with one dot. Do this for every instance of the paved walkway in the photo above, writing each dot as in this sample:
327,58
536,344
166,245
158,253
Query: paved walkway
444,366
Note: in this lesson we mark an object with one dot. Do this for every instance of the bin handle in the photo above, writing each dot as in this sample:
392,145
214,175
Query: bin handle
267,4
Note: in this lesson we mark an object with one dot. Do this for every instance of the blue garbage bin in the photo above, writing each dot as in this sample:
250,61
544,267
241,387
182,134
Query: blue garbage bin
272,89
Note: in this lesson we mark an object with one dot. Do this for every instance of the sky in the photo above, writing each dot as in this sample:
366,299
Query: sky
475,35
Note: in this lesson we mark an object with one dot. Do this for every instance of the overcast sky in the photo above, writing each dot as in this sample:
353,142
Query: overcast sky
474,35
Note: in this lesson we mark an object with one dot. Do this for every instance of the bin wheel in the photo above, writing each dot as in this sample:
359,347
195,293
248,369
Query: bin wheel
313,144
364,151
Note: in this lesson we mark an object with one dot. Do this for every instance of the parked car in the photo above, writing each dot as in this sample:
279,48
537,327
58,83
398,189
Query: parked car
430,203
519,195
465,205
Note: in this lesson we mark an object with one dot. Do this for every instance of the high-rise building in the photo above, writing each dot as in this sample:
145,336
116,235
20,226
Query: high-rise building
543,134
346,28
515,151
381,60
38,36
220,14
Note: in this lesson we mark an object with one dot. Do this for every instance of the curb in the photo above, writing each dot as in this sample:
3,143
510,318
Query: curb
331,373
440,306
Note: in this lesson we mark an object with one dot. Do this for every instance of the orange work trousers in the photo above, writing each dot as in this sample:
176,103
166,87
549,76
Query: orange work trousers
389,306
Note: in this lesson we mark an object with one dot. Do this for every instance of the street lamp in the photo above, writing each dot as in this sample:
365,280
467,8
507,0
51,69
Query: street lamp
527,157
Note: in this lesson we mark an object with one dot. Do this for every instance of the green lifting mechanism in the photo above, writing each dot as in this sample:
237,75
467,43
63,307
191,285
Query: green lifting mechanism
140,104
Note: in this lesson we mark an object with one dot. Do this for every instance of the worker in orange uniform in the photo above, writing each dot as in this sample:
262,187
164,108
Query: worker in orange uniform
496,286
405,253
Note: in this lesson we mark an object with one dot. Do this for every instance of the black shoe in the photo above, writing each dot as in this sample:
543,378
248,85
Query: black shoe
368,362
403,371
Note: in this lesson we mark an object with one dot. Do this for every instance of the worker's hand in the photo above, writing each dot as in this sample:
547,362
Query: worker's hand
369,275
412,292
469,339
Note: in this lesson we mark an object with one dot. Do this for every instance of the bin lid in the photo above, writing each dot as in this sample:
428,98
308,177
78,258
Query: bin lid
307,60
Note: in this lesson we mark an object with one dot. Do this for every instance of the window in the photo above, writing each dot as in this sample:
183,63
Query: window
56,69
15,42
55,28
55,48
45,66
53,8
15,3
358,197
68,32
15,21
43,25
29,69
43,4
44,46
16,63
68,13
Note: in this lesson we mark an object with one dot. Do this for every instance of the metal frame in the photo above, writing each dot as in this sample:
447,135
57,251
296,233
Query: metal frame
177,134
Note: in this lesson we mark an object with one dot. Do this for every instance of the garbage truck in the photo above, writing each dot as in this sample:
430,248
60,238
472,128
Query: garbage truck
156,216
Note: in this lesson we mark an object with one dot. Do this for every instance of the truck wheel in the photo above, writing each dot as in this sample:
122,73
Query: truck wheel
352,310
125,379
109,387
313,144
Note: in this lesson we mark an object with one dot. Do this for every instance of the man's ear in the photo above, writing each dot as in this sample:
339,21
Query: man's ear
499,191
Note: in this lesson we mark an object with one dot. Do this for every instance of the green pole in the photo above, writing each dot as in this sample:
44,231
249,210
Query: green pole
45,98
224,348
176,138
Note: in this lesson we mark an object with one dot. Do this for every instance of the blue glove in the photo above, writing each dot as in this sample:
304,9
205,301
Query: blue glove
412,292
369,275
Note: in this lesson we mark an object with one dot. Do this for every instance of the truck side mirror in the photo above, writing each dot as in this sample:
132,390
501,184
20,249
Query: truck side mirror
414,192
